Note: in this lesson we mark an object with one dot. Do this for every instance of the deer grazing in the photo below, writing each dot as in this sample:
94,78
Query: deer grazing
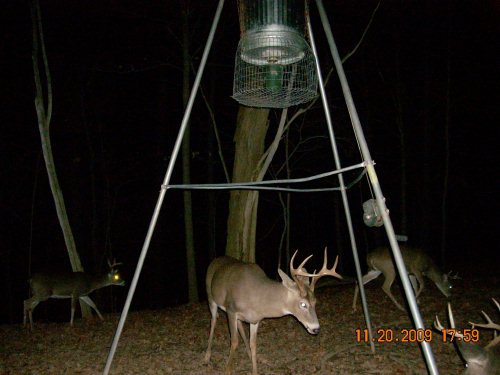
418,264
245,293
479,360
74,285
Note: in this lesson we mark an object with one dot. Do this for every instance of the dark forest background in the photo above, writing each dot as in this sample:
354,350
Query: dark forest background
424,80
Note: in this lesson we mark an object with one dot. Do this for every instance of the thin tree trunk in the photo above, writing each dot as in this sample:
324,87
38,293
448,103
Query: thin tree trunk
186,165
95,221
426,180
402,155
251,164
288,204
44,116
446,169
248,213
251,130
212,203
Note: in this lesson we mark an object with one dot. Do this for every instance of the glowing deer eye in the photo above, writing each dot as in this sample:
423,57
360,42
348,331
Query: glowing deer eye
303,305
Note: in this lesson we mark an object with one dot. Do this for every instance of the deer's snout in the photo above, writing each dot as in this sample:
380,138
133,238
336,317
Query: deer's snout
313,331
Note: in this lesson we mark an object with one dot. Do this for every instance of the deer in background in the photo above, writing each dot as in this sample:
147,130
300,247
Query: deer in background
418,264
246,294
479,360
74,285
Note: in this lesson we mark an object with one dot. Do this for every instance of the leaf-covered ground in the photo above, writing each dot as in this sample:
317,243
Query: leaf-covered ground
173,341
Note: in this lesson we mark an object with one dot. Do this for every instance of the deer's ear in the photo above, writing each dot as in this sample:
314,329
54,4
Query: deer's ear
287,281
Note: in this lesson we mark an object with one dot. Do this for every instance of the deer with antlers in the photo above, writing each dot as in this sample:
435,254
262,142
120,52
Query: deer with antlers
74,285
246,294
479,360
418,265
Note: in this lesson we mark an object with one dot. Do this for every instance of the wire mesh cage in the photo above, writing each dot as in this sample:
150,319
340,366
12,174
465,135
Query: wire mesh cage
274,65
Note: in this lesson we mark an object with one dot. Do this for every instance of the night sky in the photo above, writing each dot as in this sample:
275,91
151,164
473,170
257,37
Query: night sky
117,80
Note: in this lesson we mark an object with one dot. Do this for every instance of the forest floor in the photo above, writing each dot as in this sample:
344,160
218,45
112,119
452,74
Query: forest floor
173,340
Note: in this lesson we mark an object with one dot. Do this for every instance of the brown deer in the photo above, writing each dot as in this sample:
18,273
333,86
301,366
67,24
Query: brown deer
246,294
74,285
418,264
479,360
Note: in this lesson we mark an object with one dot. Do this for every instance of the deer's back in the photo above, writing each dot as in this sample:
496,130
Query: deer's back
227,277
412,257
61,284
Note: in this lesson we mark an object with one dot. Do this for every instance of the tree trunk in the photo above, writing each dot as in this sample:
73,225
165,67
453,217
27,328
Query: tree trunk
426,225
446,168
251,164
186,165
212,205
44,116
250,135
403,223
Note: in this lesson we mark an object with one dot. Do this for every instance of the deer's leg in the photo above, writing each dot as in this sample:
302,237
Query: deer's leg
73,307
213,311
420,279
414,283
30,313
29,306
355,298
243,335
91,303
371,275
253,346
233,330
386,287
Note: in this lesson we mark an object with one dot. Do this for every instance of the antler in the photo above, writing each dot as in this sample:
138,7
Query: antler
114,263
490,325
439,326
300,271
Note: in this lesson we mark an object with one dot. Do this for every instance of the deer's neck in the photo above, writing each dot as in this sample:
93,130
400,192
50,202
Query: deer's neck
97,281
278,299
268,300
433,272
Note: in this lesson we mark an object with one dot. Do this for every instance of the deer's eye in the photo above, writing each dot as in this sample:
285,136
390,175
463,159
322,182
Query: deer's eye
303,305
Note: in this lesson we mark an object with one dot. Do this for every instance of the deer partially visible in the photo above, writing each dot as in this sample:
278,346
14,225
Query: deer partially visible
418,264
74,285
479,360
246,294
